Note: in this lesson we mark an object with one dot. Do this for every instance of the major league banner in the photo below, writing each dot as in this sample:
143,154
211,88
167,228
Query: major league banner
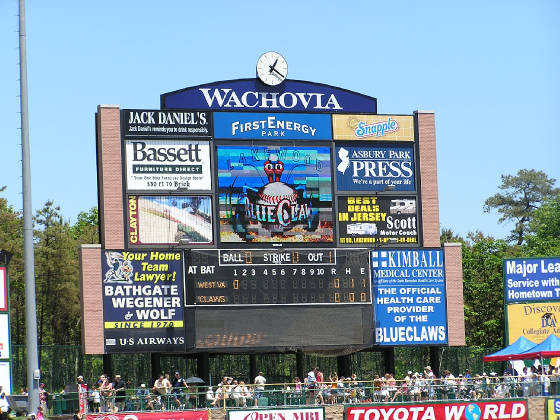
316,413
409,290
532,279
475,410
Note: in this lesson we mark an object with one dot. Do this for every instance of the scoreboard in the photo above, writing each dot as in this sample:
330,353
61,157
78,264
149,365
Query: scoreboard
226,277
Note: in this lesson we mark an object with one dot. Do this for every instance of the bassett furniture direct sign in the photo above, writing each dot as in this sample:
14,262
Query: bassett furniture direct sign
244,125
316,413
156,165
377,220
169,220
534,321
409,291
475,410
162,124
369,168
532,279
142,301
373,127
253,95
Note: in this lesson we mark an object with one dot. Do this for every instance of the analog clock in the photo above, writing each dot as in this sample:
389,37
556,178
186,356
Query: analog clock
272,68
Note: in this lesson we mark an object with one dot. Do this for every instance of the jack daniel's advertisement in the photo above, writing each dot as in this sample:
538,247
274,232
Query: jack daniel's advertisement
163,124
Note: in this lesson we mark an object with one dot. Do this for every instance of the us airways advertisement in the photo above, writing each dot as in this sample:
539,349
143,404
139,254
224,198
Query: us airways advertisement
274,194
142,295
409,290
368,168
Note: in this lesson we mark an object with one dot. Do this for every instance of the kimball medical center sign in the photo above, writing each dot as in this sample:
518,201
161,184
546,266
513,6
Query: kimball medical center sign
532,279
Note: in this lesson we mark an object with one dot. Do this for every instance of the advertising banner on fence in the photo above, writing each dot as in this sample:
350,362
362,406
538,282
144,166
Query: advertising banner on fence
316,413
169,220
373,127
534,321
275,194
409,297
367,168
5,378
553,409
469,410
373,220
532,279
3,289
4,336
162,124
265,126
142,301
156,165
155,415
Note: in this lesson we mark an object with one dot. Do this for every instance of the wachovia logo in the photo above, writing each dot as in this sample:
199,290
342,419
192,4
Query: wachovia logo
376,129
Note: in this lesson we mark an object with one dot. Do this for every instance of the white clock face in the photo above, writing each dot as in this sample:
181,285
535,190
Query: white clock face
272,68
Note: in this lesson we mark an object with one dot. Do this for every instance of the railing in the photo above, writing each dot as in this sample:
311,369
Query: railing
354,392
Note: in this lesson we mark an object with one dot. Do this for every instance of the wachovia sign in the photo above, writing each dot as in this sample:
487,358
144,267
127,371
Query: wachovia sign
251,94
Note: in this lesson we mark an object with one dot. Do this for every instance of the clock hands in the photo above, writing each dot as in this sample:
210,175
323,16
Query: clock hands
277,73
272,68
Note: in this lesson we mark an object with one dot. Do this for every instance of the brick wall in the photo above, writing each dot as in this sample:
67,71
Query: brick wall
454,294
111,219
91,298
428,174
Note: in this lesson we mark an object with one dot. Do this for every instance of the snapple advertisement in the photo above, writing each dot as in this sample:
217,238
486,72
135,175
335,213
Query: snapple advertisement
275,194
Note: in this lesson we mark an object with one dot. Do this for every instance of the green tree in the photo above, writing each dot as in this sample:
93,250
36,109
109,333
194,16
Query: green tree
56,273
11,240
483,288
86,228
544,230
522,195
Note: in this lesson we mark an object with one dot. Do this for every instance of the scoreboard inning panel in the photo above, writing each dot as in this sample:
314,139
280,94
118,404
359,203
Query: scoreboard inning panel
226,277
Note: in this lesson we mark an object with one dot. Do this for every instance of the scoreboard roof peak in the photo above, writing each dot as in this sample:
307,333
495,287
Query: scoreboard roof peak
253,95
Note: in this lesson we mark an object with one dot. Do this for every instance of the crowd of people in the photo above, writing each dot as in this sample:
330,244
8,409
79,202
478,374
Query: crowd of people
110,394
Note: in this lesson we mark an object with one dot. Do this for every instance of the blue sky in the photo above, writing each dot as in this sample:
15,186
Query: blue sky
489,70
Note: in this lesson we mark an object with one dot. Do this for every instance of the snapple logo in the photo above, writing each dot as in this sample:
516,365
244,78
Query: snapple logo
377,129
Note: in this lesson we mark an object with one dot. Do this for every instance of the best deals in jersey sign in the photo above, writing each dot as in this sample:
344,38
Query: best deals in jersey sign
480,410
409,290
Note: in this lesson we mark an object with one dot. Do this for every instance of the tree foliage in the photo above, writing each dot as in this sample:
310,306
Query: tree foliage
521,195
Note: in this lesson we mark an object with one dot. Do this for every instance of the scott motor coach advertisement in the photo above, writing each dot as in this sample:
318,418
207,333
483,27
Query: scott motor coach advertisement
532,279
373,127
409,290
373,220
479,410
317,413
156,165
367,168
243,125
169,220
142,301
161,124
275,194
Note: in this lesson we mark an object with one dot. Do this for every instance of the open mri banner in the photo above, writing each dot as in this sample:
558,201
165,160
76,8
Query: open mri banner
275,194
409,297
169,220
532,279
370,168
470,410
157,415
142,301
303,413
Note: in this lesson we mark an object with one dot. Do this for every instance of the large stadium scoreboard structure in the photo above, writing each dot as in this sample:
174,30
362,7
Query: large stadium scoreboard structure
243,216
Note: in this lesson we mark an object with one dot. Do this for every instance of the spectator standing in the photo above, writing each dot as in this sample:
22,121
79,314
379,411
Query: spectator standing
40,413
106,390
311,384
120,392
178,384
143,396
43,396
82,395
260,381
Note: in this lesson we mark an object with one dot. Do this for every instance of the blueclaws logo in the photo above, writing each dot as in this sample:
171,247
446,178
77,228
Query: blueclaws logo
120,269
